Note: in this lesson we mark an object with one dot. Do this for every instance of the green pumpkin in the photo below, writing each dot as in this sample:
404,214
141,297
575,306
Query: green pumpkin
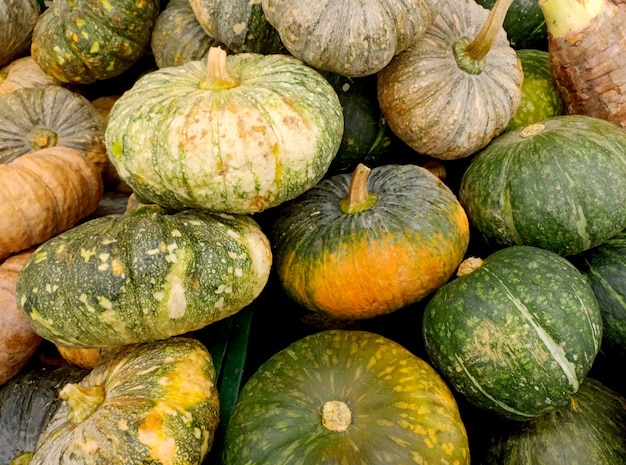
151,403
559,184
588,430
516,335
142,276
237,133
349,397
84,41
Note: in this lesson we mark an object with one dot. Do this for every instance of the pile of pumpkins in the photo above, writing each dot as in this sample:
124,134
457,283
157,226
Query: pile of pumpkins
427,237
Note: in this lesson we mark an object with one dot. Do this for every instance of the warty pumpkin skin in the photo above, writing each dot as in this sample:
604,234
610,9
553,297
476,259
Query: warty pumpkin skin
345,397
237,134
352,38
24,72
84,41
43,194
439,100
142,276
400,244
17,21
151,403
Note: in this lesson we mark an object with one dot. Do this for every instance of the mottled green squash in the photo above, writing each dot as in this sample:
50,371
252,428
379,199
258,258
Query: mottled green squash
516,334
588,430
559,184
84,41
17,21
345,397
153,403
142,276
237,133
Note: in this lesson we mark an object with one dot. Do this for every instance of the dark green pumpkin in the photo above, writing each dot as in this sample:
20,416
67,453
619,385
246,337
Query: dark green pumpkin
559,184
142,276
588,430
27,403
84,41
605,268
517,335
524,24
345,397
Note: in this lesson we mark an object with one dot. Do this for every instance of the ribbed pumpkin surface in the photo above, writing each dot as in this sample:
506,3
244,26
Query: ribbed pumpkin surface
147,275
518,334
345,397
17,20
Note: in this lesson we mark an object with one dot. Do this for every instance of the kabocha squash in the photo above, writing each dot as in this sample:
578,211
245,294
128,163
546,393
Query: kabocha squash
18,341
349,38
559,184
541,97
587,430
85,41
178,37
24,72
457,87
142,276
27,403
362,245
237,133
17,21
605,268
240,25
345,396
43,194
516,334
152,403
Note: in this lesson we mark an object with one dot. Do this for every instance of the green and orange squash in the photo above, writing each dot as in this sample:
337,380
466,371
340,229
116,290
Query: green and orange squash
516,333
345,396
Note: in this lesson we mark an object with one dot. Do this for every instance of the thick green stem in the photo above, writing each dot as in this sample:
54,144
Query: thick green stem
359,199
218,77
478,48
83,401
564,17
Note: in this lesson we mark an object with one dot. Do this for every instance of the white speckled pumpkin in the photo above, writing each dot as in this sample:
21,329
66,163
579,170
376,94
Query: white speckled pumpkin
237,133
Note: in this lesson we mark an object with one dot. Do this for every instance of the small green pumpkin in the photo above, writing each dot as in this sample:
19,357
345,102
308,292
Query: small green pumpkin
516,334
237,133
345,397
151,403
142,276
84,41
559,184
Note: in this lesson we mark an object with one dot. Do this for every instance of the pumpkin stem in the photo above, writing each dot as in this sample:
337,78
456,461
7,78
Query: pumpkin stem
470,55
218,77
566,16
531,129
359,199
42,138
82,400
469,265
336,416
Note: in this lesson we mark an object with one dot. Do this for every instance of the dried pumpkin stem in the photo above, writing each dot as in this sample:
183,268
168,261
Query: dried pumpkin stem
478,48
469,265
336,416
359,198
41,138
218,77
82,400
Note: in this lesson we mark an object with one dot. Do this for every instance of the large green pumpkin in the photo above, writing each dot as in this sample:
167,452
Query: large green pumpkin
142,276
345,397
153,403
518,334
588,430
84,41
238,133
559,184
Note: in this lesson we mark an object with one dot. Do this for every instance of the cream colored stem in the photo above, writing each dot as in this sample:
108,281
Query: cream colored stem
478,48
218,77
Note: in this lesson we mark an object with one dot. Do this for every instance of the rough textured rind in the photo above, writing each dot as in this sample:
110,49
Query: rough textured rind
373,262
84,41
589,430
238,150
437,108
561,188
17,21
143,276
352,38
161,407
401,410
516,336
